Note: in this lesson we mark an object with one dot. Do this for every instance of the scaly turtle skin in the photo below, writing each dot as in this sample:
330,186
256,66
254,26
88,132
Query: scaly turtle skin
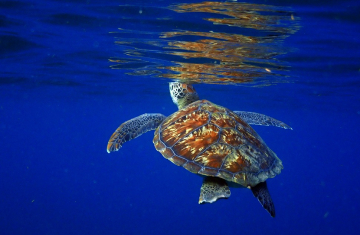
212,141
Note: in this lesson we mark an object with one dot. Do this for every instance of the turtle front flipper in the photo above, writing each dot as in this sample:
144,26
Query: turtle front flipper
261,192
134,128
212,189
260,119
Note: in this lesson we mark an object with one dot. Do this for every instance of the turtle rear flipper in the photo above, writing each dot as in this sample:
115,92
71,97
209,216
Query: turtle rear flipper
261,192
260,119
212,189
134,128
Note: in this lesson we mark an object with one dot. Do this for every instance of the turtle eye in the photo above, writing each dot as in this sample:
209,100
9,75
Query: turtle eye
190,89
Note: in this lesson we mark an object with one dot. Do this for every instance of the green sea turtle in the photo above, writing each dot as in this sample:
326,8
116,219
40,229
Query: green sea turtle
212,141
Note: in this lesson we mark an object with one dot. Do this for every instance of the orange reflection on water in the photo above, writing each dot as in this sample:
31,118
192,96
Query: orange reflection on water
246,15
208,73
247,57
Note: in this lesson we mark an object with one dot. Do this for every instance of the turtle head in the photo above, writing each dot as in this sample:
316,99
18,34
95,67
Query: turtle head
182,94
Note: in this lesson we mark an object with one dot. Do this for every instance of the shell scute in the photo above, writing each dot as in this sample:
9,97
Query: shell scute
223,120
239,120
182,126
236,162
167,152
225,175
231,137
213,156
179,161
250,136
211,140
192,167
212,108
159,145
196,141
209,171
175,116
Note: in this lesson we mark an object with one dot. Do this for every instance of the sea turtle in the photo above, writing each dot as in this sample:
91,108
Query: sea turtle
212,141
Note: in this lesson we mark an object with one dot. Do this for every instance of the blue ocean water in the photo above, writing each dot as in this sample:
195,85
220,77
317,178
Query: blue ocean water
73,71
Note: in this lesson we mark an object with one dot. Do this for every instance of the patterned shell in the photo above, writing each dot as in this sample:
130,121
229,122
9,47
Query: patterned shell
211,140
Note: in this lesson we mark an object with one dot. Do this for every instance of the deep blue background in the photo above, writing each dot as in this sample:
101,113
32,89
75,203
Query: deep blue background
60,102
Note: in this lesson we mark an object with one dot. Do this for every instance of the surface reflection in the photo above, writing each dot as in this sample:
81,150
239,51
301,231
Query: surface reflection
245,48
